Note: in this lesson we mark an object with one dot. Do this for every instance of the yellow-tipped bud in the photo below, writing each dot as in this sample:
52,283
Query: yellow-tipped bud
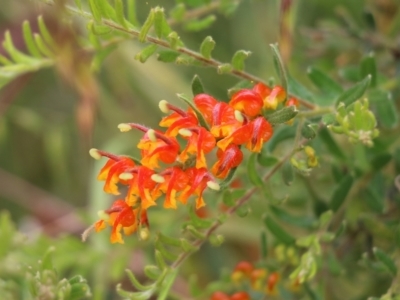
95,153
144,234
309,151
239,116
163,105
123,127
152,135
157,178
185,132
213,185
125,176
103,215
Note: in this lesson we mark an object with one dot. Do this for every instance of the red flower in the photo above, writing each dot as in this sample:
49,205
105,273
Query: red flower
175,180
178,119
228,159
120,216
205,104
219,296
199,179
272,282
271,97
248,102
238,136
261,132
240,296
115,165
200,142
292,101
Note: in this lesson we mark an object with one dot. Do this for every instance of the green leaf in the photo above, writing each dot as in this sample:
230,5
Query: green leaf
207,46
238,59
280,134
340,193
78,4
160,260
42,46
198,25
131,8
263,245
301,221
45,34
29,41
287,173
167,56
96,12
145,54
283,115
331,144
169,240
174,40
278,231
380,160
197,86
329,88
308,131
224,69
178,12
146,26
386,111
15,54
266,160
47,260
197,222
252,172
100,56
386,260
374,194
280,68
161,26
167,284
105,9
355,92
368,67
119,13
298,90
135,282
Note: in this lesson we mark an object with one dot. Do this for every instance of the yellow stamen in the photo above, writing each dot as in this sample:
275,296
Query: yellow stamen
123,127
213,185
163,105
239,116
152,135
95,153
157,178
185,132
125,176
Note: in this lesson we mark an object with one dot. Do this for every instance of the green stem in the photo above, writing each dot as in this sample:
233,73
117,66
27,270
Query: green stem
317,111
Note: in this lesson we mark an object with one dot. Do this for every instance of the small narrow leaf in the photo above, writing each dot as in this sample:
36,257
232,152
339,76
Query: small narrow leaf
119,13
238,59
146,26
178,12
368,67
197,222
386,111
224,69
145,54
340,193
131,8
263,245
105,9
355,92
152,272
197,86
5,61
278,231
95,10
386,260
160,260
287,173
135,282
167,284
29,41
169,240
280,68
198,25
298,90
266,160
283,115
167,56
161,26
15,54
45,34
207,46
252,171
330,88
308,131
42,46
174,40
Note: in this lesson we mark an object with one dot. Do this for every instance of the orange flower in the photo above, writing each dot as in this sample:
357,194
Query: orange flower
240,296
140,186
219,296
200,142
115,165
248,102
238,136
205,104
175,180
292,101
271,97
199,179
272,283
228,159
178,119
261,132
120,216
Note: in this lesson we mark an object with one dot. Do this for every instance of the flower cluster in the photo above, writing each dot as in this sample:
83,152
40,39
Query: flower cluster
255,280
166,168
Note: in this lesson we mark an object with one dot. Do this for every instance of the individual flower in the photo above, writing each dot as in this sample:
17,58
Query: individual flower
261,132
120,216
292,101
248,102
227,160
115,165
219,296
205,104
173,180
141,184
178,119
272,282
240,296
155,145
238,136
242,271
271,97
199,180
200,142
257,278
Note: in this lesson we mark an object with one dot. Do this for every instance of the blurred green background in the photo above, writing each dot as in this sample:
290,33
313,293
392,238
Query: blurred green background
48,122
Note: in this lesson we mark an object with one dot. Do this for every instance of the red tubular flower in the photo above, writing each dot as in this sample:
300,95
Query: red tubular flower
140,186
178,119
272,283
261,132
121,216
228,159
292,101
262,90
240,296
224,121
115,165
205,104
200,142
199,179
271,97
238,136
175,180
248,102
